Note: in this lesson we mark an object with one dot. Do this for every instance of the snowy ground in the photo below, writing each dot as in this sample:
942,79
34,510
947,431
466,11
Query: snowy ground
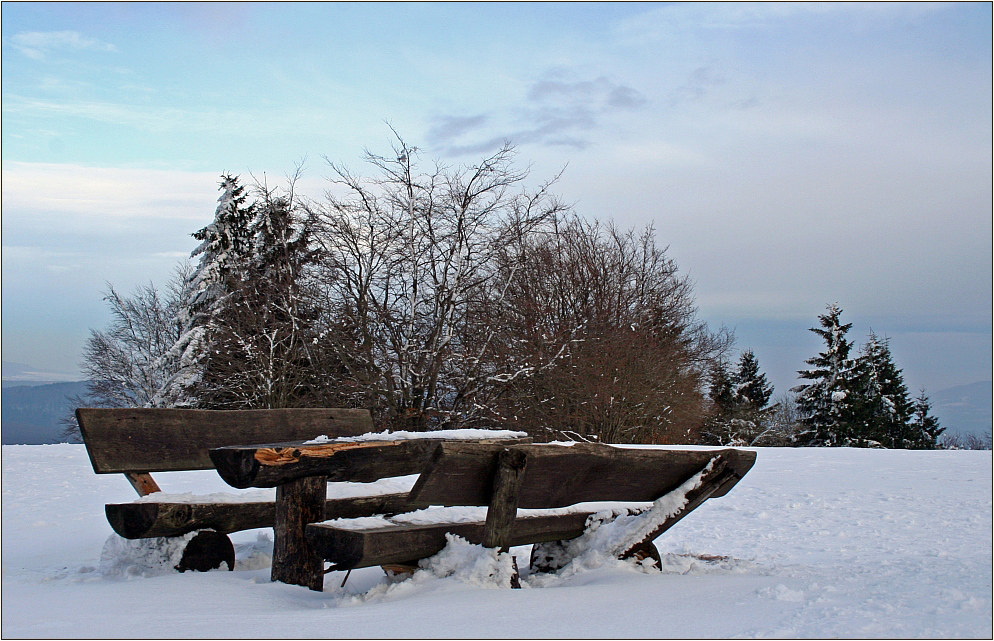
813,543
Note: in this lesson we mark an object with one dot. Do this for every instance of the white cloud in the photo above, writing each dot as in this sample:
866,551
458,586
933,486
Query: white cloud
38,44
93,195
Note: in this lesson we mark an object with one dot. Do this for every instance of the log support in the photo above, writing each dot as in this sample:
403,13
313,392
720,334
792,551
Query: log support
206,551
298,503
503,508
719,476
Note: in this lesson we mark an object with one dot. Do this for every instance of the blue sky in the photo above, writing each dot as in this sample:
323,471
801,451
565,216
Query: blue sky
790,155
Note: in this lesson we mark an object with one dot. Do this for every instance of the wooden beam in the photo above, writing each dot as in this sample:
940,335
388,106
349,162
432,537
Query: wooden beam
270,465
721,476
298,503
146,520
348,549
557,476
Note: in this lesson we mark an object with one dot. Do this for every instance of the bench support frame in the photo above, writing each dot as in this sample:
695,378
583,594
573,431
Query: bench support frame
298,503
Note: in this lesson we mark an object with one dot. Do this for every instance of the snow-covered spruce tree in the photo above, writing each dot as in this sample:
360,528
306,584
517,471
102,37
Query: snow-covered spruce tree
827,403
224,250
881,406
924,429
751,389
264,346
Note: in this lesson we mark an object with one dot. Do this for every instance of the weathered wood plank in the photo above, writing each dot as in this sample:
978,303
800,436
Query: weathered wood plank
503,506
348,549
298,503
147,520
557,476
272,464
156,440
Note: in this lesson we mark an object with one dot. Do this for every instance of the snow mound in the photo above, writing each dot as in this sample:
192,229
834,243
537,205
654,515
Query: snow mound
142,558
459,560
254,555
472,564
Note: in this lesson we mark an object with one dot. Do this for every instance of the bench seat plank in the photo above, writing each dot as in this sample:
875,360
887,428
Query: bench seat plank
144,519
558,476
350,548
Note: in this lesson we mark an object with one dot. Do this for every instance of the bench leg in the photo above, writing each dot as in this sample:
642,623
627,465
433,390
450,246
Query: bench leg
298,503
719,475
503,508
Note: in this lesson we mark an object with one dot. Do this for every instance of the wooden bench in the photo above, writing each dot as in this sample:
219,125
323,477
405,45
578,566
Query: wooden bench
136,442
502,476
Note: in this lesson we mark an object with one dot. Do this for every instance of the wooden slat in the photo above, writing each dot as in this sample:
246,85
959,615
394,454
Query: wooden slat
145,520
348,549
557,476
155,440
272,464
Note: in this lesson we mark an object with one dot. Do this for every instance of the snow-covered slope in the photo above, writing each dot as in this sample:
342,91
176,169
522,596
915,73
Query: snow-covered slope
812,543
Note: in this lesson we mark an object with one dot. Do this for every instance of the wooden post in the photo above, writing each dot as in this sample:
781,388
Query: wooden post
298,503
503,508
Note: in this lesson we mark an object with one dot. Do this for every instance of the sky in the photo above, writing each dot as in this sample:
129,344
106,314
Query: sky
788,155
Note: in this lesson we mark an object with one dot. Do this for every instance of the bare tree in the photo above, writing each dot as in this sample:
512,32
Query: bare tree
410,261
126,365
610,335
965,441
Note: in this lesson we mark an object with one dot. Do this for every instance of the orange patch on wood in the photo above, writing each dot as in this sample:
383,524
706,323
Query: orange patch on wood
284,455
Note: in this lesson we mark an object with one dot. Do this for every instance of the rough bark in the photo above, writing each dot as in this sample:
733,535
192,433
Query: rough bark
298,503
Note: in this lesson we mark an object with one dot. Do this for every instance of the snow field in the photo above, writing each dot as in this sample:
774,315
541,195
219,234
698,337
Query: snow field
812,543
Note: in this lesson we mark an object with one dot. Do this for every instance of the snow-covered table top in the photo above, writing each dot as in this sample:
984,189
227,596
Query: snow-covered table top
402,435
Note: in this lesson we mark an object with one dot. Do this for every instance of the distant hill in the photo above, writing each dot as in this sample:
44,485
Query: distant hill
965,408
31,413
16,374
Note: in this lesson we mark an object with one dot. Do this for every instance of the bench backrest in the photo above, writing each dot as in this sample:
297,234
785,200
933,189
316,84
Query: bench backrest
557,476
160,440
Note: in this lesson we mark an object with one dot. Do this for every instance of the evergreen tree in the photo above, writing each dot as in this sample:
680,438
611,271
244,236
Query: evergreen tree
223,251
263,341
828,402
882,408
720,389
751,390
739,403
924,430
